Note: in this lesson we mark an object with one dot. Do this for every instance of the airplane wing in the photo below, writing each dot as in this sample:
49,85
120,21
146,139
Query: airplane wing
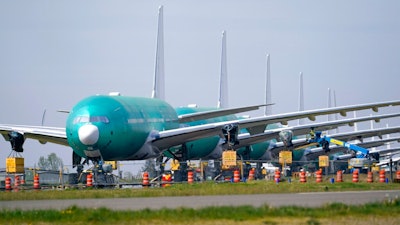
347,136
216,113
258,125
380,152
313,153
395,158
359,135
43,134
386,151
170,138
246,139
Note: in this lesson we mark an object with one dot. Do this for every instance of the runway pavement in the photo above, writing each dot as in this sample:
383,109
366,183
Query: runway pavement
313,199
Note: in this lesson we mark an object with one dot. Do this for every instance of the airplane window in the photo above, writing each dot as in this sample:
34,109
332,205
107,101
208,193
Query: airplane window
102,119
81,119
86,119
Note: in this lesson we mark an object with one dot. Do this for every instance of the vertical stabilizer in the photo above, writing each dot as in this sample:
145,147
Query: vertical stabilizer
329,100
223,80
372,127
301,97
159,75
329,106
356,126
268,91
388,145
334,105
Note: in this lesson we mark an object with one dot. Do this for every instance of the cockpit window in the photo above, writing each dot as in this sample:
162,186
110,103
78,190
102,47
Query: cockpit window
81,119
93,119
102,119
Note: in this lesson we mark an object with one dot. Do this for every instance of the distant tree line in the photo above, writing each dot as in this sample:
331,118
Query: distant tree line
52,162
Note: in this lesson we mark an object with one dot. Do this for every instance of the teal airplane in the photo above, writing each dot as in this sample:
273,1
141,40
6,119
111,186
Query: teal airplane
116,127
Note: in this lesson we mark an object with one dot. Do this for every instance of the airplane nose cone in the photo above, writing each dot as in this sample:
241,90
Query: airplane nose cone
88,134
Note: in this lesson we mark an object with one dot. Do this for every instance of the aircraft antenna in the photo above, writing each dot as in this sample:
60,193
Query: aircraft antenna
159,76
223,82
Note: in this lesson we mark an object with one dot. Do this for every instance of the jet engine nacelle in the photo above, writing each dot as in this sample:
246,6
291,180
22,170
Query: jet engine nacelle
286,136
17,141
230,132
107,168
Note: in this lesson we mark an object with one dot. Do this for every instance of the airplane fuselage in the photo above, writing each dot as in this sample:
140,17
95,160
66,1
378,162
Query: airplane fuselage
117,127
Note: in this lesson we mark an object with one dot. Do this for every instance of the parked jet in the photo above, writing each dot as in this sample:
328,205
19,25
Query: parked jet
304,155
116,127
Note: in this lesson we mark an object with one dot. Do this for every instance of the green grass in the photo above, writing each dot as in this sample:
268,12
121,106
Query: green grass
376,213
263,215
206,188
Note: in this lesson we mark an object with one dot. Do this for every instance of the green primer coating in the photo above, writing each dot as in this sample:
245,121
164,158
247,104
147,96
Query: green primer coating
130,122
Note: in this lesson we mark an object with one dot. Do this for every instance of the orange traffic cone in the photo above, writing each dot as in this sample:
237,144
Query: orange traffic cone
89,180
236,176
190,177
36,184
8,183
145,182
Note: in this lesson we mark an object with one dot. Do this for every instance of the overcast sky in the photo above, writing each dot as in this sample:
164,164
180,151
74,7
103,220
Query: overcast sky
54,53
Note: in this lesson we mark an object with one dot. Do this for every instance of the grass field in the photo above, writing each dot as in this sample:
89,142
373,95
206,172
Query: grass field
377,213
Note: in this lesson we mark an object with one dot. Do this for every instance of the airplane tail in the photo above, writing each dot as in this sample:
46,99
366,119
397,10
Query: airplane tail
301,97
159,75
268,97
223,81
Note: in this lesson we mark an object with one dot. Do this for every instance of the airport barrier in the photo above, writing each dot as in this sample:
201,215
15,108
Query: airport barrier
303,178
8,183
236,176
398,174
339,176
145,182
36,184
89,180
382,176
165,180
190,177
277,177
318,175
355,176
251,174
16,182
370,177
23,180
